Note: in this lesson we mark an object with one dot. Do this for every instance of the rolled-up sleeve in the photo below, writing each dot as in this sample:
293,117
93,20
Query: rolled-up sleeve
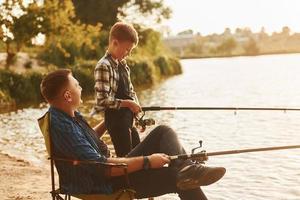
103,88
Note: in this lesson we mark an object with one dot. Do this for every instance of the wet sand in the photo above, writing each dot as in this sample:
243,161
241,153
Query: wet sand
21,181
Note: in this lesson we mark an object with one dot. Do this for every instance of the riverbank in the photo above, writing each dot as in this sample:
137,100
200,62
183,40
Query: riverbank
20,180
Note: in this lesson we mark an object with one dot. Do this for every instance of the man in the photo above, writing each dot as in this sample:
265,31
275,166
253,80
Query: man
73,138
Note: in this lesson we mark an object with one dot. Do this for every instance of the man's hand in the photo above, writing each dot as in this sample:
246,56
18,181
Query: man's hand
134,107
158,160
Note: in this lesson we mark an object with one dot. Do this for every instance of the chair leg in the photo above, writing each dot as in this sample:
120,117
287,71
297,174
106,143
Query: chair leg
57,197
67,197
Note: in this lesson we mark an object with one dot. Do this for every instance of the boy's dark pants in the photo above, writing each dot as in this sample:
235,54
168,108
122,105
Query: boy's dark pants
119,125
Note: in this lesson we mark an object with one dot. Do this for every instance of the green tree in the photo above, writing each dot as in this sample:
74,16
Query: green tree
227,46
150,40
108,12
251,47
19,25
186,32
67,39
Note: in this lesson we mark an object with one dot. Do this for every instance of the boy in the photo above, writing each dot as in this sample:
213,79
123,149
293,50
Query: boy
114,91
74,139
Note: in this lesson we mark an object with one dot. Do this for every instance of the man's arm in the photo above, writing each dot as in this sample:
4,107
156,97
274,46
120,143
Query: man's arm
100,129
156,160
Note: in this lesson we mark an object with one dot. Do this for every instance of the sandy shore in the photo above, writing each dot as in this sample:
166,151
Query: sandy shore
21,181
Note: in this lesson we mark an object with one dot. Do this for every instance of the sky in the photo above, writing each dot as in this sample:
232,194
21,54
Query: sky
213,16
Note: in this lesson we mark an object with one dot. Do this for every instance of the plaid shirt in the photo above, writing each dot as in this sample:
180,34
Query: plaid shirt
106,83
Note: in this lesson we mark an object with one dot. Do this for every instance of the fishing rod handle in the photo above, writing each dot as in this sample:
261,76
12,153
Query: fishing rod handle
197,156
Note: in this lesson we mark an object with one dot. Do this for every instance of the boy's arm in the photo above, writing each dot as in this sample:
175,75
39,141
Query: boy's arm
102,88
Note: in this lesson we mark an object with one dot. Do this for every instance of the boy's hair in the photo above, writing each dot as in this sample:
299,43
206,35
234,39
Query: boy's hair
53,83
123,32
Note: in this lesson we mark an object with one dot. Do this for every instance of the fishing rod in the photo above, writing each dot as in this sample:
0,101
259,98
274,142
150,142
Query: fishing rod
203,155
158,108
148,122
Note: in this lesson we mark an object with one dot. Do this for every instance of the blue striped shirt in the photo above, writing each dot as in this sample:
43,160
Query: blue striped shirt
72,138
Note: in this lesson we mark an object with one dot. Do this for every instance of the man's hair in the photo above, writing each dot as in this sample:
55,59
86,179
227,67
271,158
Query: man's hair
123,32
53,83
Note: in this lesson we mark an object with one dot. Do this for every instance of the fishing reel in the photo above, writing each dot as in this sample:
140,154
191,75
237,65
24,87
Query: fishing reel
195,156
142,123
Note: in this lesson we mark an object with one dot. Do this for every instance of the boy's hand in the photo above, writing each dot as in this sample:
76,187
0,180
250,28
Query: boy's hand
158,160
134,107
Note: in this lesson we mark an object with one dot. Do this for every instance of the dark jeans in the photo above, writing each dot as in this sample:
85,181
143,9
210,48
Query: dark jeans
156,182
119,125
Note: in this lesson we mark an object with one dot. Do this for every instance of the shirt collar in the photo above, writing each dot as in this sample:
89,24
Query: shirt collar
77,114
116,62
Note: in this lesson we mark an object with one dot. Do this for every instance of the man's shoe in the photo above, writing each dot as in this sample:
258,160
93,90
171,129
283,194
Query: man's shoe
195,175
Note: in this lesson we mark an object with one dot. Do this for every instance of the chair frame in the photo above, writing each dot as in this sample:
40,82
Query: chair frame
56,193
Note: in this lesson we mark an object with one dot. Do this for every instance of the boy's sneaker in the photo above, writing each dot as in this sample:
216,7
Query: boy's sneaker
195,175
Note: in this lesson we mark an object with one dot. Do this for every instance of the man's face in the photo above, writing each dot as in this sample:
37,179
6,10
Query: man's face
72,92
123,49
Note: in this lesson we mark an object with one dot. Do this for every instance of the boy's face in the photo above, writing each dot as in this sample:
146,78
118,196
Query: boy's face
72,92
122,49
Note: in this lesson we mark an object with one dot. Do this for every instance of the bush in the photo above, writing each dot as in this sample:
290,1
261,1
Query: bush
162,64
141,72
175,65
22,88
85,78
35,80
59,55
167,66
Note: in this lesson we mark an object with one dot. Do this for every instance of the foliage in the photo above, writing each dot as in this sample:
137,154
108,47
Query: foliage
22,88
141,72
108,12
150,40
167,66
148,71
175,65
84,73
186,32
68,40
251,47
194,48
19,25
227,46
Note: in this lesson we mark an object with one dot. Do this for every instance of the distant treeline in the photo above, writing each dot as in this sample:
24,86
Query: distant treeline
241,42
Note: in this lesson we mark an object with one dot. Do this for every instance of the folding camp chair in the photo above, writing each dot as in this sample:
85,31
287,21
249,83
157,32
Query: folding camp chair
126,194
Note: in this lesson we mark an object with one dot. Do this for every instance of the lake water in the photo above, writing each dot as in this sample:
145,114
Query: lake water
262,81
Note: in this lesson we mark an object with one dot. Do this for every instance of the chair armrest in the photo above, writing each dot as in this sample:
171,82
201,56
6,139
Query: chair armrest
77,162
107,166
